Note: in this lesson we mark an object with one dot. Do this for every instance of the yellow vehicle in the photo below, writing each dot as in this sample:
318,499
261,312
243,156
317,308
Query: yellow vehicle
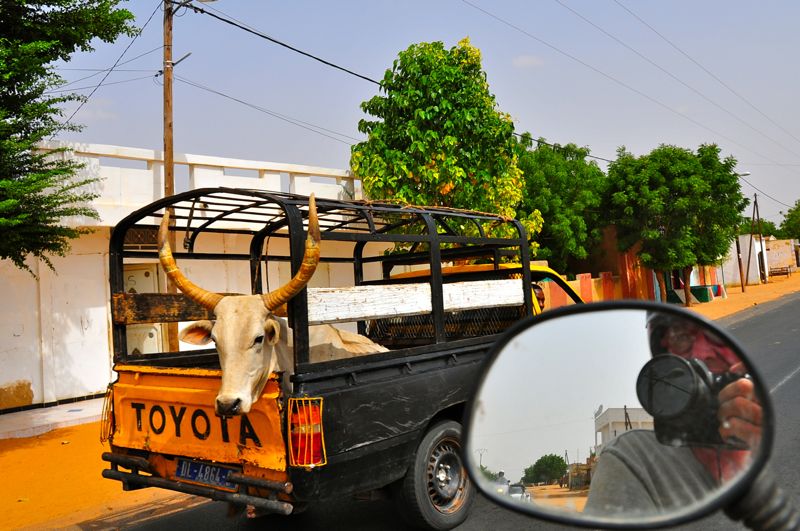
385,420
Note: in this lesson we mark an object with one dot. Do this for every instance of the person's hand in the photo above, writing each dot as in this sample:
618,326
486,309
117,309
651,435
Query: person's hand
739,413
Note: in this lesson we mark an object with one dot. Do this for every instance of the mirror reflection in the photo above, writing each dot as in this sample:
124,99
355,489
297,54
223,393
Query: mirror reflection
616,413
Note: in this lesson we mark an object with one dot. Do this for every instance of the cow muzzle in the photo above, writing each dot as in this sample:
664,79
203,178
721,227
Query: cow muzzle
229,406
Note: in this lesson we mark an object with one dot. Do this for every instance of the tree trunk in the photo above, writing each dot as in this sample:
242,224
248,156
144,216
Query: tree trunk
662,286
687,288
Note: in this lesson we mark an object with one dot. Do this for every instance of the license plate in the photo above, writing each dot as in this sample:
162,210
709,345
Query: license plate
205,474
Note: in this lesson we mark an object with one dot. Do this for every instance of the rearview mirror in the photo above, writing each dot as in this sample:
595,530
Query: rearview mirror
617,415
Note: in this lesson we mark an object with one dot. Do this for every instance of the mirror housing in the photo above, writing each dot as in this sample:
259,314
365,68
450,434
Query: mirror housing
545,377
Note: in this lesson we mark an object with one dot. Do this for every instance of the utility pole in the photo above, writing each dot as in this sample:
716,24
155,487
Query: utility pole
739,249
480,458
169,165
756,218
762,266
739,257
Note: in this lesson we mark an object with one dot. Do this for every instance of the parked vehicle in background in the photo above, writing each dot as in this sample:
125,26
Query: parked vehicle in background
518,492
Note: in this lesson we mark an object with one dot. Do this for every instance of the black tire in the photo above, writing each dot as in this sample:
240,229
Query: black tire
436,492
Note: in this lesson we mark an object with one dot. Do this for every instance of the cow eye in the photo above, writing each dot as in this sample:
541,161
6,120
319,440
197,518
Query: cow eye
258,340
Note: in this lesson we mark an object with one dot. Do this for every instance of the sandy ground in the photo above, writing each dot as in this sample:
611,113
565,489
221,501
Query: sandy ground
53,481
753,296
560,497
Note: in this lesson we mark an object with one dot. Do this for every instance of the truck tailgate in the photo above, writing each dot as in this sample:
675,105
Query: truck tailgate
171,411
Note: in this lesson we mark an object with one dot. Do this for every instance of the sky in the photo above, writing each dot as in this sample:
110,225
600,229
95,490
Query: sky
598,73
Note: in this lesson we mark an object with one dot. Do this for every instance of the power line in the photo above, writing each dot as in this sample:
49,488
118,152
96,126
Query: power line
99,70
72,89
158,4
764,193
676,78
540,141
299,123
706,70
611,78
258,33
768,164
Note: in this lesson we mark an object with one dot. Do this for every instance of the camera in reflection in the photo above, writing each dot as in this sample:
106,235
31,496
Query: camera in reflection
682,396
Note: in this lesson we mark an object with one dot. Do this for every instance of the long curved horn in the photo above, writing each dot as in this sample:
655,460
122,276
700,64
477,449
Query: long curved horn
207,299
274,299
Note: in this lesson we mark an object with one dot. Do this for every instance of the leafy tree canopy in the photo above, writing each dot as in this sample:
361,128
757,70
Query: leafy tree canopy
488,474
650,201
718,214
682,207
439,138
567,190
547,468
790,227
37,191
768,228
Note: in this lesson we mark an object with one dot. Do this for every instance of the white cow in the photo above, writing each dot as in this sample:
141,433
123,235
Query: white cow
252,341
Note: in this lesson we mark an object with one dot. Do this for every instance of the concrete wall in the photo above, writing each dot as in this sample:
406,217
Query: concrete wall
730,267
782,253
55,328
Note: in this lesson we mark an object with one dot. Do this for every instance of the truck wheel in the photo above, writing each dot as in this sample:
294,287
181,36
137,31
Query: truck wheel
436,492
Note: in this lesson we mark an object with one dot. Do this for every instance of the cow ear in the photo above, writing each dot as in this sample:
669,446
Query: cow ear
197,333
272,332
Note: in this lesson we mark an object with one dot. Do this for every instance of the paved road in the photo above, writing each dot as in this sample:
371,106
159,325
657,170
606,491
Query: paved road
770,334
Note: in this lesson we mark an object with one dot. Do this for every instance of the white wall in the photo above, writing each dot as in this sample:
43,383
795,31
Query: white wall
20,352
55,330
730,268
55,333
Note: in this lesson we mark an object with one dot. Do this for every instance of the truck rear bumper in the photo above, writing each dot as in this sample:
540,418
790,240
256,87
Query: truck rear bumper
134,480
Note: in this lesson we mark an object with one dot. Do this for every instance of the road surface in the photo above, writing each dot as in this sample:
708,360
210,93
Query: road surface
769,334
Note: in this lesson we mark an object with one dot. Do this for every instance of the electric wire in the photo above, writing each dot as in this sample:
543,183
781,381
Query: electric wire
676,78
621,83
73,89
263,35
158,5
241,25
539,141
612,78
706,70
764,193
299,123
98,71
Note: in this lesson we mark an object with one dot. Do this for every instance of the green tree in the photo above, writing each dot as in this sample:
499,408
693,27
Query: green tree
652,201
37,190
547,468
439,138
682,207
768,228
790,226
567,190
488,474
718,214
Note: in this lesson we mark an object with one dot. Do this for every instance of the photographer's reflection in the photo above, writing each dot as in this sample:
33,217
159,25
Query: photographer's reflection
707,424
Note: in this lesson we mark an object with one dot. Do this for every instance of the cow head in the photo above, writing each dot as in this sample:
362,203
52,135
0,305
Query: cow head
251,340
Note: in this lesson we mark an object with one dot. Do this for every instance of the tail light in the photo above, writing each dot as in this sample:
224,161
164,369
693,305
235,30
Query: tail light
306,436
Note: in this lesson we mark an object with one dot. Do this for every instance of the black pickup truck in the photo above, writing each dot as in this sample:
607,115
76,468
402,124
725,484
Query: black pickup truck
431,286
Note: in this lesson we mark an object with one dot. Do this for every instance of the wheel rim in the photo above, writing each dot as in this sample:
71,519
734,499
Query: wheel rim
446,480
